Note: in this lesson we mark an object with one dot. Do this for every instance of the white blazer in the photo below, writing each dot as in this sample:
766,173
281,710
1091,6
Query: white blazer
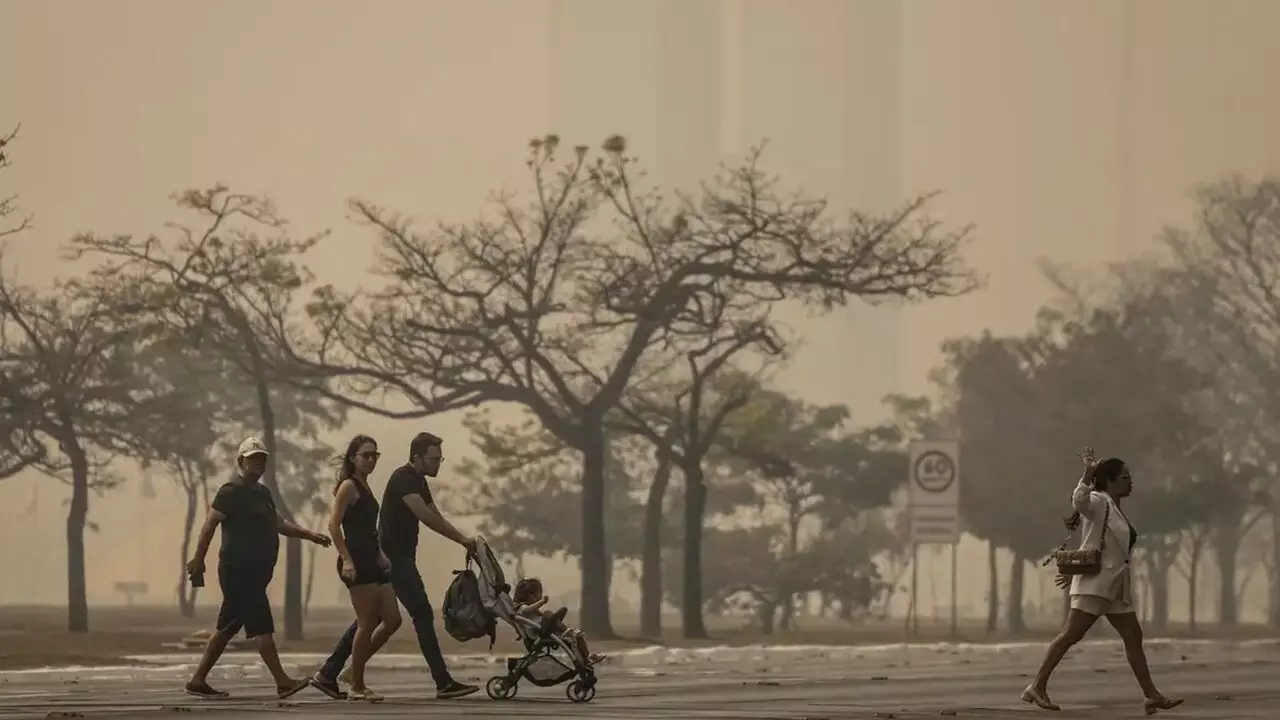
1092,506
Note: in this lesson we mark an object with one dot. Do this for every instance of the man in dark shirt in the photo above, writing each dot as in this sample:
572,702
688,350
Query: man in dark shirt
251,530
406,503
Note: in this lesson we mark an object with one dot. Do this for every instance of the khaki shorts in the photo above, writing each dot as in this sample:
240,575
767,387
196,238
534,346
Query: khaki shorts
1098,605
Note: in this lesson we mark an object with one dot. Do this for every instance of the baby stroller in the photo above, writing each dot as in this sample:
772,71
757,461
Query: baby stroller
549,660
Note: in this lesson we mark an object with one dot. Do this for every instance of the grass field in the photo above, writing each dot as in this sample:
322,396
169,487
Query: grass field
37,636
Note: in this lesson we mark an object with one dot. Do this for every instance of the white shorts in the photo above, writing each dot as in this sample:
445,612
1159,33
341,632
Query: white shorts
1099,605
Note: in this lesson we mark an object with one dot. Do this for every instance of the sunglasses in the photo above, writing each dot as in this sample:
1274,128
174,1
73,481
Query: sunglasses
374,455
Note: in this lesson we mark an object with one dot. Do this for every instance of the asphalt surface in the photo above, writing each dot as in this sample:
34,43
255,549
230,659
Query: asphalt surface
1217,680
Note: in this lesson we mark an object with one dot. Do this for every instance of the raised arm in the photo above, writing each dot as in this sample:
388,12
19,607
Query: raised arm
1082,498
429,515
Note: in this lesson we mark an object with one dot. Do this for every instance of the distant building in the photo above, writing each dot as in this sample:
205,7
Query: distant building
692,84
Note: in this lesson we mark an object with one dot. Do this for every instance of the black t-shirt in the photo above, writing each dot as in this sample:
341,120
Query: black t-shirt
250,532
397,525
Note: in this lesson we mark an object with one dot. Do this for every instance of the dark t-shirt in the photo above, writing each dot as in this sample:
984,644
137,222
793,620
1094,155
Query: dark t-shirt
397,525
250,533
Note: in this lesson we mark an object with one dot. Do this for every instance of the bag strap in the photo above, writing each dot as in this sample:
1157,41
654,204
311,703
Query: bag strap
1106,520
1051,556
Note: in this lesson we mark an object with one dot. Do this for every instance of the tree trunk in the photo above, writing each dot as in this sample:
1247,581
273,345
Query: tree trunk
787,598
766,612
311,579
187,594
787,614
993,589
292,546
651,553
1017,572
595,561
1226,548
293,626
1158,580
695,505
77,520
1193,587
1273,611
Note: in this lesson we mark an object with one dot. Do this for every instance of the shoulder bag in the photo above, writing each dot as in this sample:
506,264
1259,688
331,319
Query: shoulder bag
1081,562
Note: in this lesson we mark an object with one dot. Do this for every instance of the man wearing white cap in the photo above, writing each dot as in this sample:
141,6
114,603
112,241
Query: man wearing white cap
251,530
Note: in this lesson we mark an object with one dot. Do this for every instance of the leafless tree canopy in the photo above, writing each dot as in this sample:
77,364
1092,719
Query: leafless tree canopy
75,362
19,398
553,302
1230,257
10,225
232,273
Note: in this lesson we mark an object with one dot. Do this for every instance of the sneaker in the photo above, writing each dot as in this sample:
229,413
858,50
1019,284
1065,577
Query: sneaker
203,690
455,690
328,686
595,659
344,677
292,688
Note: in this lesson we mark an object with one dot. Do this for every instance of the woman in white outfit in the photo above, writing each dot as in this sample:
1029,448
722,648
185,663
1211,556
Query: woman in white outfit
1109,592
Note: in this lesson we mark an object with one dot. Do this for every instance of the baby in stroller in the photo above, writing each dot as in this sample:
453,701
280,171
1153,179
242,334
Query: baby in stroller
530,599
554,653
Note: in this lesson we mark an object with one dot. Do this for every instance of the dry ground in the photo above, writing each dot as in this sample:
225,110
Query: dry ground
37,636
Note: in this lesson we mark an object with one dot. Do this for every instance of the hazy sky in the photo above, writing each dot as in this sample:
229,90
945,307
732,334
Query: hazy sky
1066,128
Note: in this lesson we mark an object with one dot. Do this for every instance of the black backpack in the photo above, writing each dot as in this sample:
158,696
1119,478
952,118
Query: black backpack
465,616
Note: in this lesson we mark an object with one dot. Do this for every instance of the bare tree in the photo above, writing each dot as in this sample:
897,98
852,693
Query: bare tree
9,203
226,283
87,396
552,304
681,412
1231,252
19,448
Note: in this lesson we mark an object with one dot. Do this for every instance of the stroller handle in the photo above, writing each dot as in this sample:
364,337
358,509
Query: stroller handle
471,551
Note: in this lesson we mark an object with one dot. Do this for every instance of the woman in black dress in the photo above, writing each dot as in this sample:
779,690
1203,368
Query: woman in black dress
361,565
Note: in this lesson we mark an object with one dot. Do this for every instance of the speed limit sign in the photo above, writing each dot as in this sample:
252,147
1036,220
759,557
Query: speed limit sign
934,471
933,482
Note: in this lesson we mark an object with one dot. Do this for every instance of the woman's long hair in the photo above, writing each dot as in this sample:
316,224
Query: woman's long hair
1100,476
347,463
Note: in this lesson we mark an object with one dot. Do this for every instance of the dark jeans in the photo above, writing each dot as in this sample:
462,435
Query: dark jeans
412,594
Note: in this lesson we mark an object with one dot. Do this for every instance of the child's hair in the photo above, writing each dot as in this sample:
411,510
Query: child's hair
527,591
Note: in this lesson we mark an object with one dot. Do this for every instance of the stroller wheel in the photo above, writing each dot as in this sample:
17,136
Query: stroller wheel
580,692
499,688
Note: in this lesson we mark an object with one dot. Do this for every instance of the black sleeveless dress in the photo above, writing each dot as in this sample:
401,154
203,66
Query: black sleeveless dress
360,529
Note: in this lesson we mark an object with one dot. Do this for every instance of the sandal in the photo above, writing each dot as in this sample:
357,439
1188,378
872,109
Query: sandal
328,686
1039,699
1152,705
295,687
364,695
203,690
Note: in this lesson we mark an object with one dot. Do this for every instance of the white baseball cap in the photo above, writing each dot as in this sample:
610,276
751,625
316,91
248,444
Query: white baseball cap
252,446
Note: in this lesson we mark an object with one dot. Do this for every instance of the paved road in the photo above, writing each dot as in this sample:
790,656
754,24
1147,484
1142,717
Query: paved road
1219,682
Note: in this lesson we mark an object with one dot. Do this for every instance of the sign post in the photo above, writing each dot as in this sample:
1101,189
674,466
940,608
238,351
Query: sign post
933,508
